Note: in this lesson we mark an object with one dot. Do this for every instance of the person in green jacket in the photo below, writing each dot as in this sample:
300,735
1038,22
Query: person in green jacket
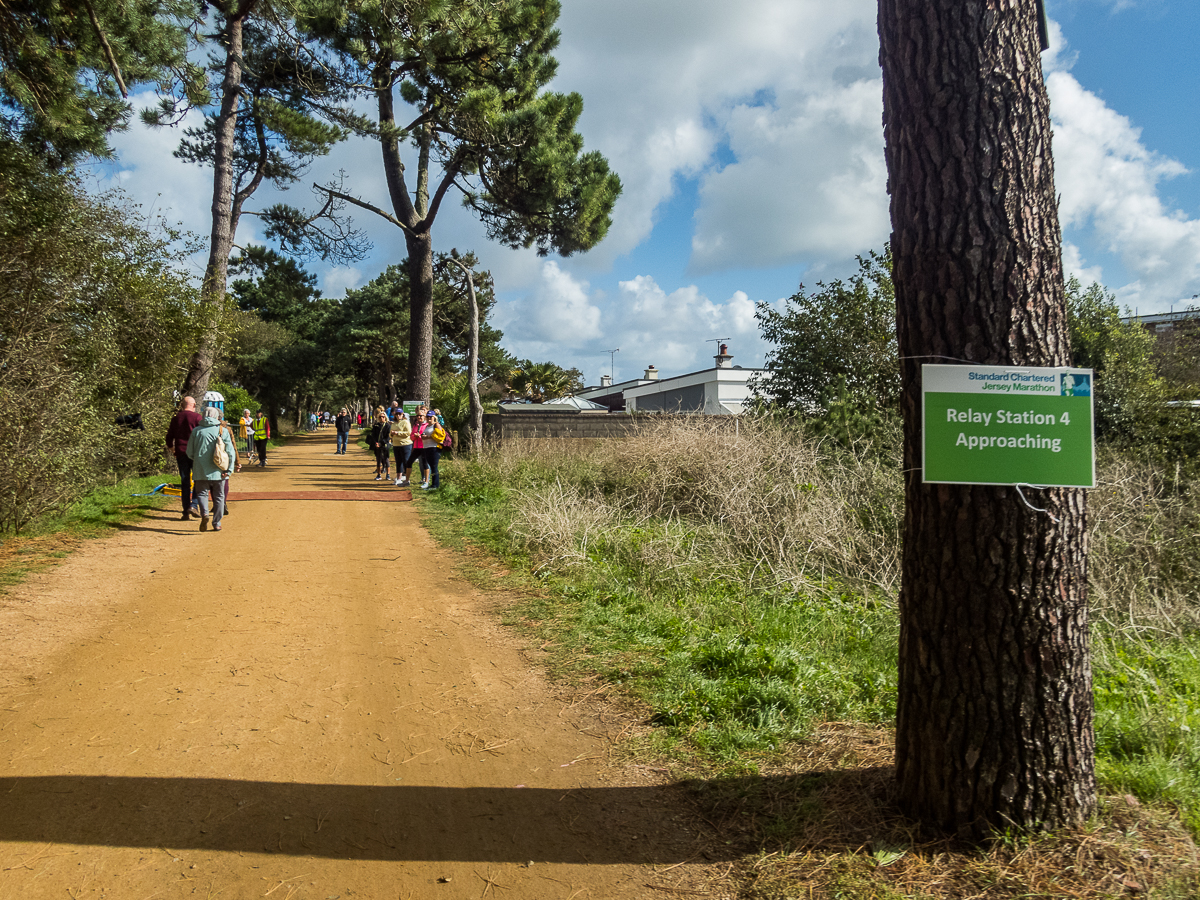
210,478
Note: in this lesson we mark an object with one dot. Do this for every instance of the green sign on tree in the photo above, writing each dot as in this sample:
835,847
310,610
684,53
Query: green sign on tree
1007,425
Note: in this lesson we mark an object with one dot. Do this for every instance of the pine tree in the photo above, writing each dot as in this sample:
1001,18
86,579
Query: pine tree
994,724
66,68
264,129
470,77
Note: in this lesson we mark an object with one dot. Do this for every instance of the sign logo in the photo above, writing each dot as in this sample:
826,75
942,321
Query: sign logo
1007,425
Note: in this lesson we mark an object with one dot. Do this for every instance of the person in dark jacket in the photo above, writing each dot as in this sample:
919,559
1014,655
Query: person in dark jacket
342,427
381,442
178,432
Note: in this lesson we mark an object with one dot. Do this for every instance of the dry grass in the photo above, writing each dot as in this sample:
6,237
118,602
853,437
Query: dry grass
727,496
827,827
749,498
1144,559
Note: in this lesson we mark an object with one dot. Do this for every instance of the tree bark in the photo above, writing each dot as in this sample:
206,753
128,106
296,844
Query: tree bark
216,271
994,719
475,429
420,342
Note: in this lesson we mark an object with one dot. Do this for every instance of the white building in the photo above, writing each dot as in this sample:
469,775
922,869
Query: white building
722,390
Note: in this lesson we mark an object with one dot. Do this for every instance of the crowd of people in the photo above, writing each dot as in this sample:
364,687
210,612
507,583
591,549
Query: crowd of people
419,440
206,450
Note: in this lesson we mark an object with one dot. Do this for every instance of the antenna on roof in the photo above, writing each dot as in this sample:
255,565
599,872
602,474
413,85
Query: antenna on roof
612,355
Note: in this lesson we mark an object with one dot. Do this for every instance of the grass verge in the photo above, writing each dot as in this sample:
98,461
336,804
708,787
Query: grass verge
777,695
95,515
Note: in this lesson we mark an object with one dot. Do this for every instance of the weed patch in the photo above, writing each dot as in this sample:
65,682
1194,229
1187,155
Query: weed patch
740,588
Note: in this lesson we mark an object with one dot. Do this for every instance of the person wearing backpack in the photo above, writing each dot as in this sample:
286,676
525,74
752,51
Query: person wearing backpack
213,454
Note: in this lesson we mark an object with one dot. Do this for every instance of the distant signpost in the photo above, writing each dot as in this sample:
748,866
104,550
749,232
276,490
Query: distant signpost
1007,425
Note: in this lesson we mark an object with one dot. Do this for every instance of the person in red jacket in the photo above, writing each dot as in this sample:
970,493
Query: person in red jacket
178,433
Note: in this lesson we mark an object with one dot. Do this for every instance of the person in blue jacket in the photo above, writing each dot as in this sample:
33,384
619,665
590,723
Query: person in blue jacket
210,478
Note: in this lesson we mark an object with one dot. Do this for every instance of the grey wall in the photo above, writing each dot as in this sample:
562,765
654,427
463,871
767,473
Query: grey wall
557,425
684,399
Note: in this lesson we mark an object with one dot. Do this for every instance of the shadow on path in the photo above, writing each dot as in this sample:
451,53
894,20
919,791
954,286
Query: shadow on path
343,821
832,809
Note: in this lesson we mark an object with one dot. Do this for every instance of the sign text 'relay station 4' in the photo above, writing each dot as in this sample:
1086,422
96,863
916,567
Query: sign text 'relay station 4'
1007,425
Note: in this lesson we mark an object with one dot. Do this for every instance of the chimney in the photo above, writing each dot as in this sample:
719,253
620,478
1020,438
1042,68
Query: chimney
723,357
652,374
605,381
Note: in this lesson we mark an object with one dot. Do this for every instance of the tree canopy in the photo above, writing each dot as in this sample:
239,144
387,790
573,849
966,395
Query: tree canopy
836,343
470,77
66,67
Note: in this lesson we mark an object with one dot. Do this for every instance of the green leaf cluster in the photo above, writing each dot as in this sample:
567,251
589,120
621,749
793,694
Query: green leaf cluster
66,67
834,346
544,381
97,320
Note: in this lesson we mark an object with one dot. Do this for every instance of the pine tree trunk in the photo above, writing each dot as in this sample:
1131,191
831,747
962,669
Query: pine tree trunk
995,696
420,342
212,291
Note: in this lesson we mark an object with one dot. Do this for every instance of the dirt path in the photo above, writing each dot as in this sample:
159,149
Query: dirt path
305,705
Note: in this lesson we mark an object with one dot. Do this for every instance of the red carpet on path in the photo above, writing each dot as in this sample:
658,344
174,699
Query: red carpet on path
386,496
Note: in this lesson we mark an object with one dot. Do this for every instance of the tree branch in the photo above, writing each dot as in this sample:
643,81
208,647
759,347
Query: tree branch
452,168
108,50
369,207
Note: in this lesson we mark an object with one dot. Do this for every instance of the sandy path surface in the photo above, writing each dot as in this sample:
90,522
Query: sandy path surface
306,705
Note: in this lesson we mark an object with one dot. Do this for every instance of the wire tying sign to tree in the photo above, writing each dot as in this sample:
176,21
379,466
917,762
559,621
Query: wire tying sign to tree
1007,425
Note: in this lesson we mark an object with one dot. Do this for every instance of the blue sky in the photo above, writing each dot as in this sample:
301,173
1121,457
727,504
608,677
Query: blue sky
749,142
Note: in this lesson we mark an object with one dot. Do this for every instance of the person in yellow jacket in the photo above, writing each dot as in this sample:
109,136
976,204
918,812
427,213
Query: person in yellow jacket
262,431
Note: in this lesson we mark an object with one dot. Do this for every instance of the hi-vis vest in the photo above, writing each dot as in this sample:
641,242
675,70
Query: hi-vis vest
261,427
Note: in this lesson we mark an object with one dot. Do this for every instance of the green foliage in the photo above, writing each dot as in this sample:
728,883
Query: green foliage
1148,723
837,344
236,399
67,65
281,346
282,292
1128,393
96,319
474,71
545,381
371,334
652,578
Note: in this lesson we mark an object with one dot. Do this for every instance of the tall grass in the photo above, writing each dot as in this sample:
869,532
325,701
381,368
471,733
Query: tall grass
740,576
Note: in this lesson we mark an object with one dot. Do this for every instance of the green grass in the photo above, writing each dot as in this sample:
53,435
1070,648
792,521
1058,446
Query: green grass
98,511
724,670
730,674
1148,723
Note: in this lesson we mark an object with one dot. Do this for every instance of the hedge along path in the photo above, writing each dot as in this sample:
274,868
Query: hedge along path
306,704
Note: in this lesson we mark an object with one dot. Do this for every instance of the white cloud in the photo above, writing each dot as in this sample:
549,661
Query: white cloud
557,313
339,279
809,183
1109,182
672,331
1073,264
667,85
